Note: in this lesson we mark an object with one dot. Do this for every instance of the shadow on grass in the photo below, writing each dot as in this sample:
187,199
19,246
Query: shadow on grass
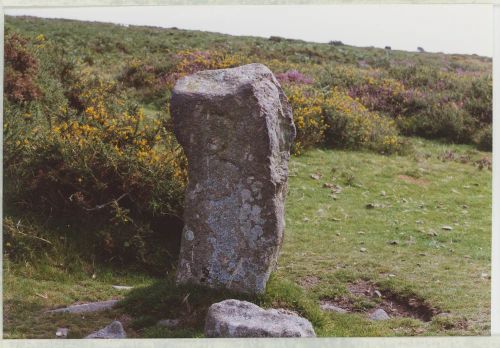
25,319
189,304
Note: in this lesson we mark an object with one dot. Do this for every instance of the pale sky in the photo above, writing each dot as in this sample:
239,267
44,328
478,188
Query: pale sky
436,28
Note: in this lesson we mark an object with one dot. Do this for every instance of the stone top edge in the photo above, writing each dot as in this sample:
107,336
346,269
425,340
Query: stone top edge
222,82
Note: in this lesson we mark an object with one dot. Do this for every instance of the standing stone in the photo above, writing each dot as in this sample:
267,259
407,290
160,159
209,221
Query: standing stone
236,128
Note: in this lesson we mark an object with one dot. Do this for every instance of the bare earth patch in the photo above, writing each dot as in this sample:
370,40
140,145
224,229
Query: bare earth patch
395,305
411,180
309,282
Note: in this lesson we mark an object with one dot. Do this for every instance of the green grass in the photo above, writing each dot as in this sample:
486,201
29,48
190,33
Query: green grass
444,269
413,197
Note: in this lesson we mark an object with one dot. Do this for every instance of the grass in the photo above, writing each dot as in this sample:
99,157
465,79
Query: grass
393,206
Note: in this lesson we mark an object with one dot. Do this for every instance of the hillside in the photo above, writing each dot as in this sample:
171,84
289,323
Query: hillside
428,94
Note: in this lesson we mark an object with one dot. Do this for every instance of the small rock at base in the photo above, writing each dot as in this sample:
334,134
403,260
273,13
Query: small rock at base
234,318
379,314
122,287
62,332
113,330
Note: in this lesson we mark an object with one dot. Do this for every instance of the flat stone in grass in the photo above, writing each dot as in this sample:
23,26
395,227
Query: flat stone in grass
113,330
236,128
233,318
168,323
62,332
86,307
326,306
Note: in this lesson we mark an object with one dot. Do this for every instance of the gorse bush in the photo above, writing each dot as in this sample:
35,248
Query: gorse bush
484,139
352,125
424,100
21,66
307,106
109,165
188,62
336,120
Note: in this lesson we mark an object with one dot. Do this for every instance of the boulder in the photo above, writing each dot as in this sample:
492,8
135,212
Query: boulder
233,318
236,128
113,330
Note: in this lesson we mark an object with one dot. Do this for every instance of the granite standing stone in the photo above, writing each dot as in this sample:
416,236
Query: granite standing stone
236,128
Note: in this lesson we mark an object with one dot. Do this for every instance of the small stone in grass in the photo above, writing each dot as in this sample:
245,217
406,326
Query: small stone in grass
379,314
447,228
86,307
168,323
363,250
62,332
485,276
394,242
113,330
316,176
331,308
432,233
336,189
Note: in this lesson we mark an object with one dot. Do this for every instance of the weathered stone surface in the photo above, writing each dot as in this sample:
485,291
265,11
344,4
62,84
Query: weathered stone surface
379,314
86,307
236,128
113,330
233,318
